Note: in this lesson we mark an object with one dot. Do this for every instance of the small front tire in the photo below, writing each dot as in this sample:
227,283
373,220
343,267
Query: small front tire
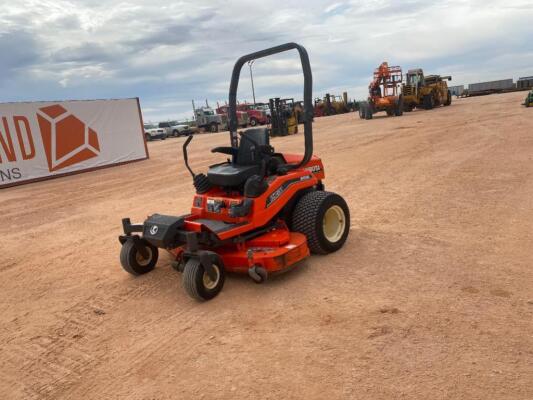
197,282
132,260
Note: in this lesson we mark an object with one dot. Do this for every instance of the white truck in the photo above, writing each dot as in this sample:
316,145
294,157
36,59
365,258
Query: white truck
153,132
175,129
206,118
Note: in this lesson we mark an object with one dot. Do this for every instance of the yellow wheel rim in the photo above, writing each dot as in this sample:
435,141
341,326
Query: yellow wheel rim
143,262
210,283
334,223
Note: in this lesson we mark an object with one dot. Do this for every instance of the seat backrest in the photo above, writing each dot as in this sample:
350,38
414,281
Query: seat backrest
248,154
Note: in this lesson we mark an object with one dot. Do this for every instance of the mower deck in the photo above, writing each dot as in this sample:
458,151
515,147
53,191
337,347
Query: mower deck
275,251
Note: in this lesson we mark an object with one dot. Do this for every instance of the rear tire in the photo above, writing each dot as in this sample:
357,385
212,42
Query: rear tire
198,284
133,262
448,99
324,218
254,122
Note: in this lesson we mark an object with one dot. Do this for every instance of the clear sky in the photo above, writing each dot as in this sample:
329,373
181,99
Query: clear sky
169,52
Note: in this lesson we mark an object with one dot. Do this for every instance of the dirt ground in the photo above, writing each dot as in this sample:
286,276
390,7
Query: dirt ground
431,297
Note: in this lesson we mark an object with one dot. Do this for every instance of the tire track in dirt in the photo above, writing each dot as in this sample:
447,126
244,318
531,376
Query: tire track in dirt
67,351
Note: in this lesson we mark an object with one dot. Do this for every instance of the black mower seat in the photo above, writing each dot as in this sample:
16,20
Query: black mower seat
248,161
228,174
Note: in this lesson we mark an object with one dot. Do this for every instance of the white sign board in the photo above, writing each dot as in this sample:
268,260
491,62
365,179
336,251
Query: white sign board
41,140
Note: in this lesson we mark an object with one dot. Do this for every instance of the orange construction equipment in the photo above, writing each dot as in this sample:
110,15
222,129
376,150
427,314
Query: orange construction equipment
384,93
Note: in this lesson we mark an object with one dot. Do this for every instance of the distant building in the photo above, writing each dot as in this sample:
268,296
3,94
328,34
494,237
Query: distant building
456,90
525,82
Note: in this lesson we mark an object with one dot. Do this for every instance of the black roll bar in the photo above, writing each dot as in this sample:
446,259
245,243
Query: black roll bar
308,89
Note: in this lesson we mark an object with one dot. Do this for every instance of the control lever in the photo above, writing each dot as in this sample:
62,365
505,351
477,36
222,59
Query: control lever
200,181
185,155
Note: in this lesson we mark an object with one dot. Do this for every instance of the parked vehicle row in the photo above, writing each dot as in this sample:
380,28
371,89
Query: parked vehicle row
209,120
175,129
214,120
163,130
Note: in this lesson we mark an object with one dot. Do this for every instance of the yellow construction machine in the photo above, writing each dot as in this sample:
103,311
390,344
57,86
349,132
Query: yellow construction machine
425,92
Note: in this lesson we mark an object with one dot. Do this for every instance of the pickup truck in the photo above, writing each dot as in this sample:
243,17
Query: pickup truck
242,116
152,132
256,115
175,129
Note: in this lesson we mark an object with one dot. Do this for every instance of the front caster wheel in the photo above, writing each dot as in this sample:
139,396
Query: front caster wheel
258,274
198,284
134,262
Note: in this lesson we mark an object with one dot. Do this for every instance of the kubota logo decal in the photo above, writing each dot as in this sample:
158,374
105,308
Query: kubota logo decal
66,139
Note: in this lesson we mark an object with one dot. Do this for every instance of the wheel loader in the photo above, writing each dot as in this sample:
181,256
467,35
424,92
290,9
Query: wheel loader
425,92
340,103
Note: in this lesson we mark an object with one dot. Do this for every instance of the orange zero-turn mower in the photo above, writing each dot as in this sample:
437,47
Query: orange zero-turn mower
258,213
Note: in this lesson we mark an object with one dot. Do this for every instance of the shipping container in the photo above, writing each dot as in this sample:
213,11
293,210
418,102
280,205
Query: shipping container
456,90
525,82
503,84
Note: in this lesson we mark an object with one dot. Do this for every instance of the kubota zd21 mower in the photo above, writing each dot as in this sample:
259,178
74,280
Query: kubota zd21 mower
259,212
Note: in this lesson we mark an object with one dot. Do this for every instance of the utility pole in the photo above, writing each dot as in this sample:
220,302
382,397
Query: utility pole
250,63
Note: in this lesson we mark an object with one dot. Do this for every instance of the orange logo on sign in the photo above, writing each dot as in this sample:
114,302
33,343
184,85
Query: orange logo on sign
66,139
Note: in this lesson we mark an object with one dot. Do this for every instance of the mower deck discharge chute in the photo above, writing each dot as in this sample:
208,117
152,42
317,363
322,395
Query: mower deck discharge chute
258,213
